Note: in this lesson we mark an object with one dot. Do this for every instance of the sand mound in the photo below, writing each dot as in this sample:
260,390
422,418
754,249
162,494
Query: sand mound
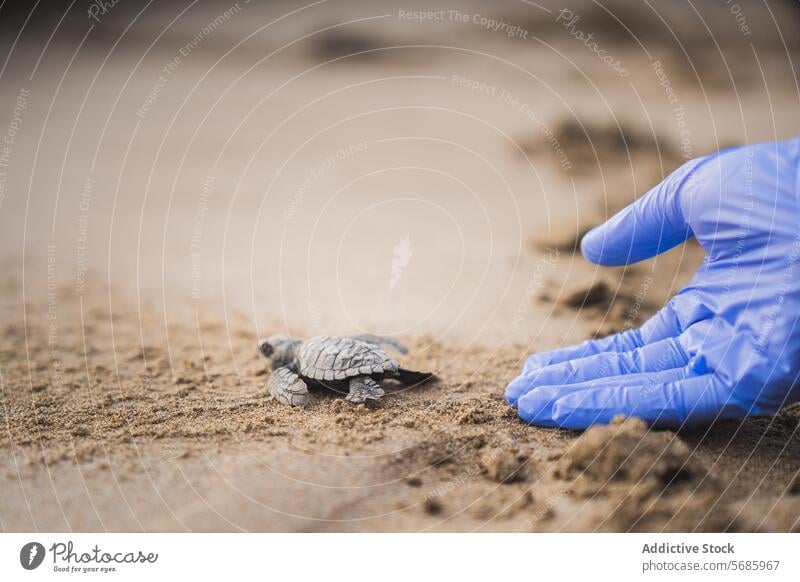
651,480
625,456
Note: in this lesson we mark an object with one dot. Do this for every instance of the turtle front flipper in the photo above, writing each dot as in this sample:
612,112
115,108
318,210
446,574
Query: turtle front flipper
381,341
287,387
363,388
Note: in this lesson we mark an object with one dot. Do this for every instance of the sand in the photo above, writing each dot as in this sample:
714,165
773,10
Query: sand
158,436
145,251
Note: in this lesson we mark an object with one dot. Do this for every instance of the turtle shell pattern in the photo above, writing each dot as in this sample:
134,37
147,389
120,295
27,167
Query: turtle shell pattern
339,358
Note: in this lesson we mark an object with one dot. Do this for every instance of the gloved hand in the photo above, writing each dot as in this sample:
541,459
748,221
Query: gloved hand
728,344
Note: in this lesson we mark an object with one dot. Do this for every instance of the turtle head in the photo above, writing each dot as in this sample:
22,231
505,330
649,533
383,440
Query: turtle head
278,350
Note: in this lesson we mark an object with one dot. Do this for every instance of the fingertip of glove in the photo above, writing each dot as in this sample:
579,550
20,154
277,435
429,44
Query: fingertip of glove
513,393
592,246
535,408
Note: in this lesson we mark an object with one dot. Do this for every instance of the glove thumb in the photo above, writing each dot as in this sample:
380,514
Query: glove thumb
653,224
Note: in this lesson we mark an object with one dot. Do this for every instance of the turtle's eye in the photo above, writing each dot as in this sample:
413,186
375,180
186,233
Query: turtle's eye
265,348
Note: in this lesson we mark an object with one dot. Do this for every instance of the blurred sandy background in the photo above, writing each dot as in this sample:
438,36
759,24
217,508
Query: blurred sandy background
181,178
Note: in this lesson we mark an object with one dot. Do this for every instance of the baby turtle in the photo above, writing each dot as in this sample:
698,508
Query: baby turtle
356,363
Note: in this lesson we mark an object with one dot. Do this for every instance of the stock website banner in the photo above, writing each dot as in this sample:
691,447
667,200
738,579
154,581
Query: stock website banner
355,557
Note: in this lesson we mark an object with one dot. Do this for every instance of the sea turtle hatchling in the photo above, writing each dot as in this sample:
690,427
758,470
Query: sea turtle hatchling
346,364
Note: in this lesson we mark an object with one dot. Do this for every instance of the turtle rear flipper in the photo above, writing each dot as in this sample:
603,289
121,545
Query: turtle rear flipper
412,378
381,341
363,388
287,387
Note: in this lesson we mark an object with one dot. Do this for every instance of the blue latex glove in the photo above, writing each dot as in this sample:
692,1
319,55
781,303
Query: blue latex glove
728,344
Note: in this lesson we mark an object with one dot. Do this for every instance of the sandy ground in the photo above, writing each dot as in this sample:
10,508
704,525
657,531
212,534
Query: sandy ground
179,435
345,169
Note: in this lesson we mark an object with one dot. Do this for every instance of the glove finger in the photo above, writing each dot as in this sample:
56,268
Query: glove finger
538,406
662,325
694,400
653,224
655,357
